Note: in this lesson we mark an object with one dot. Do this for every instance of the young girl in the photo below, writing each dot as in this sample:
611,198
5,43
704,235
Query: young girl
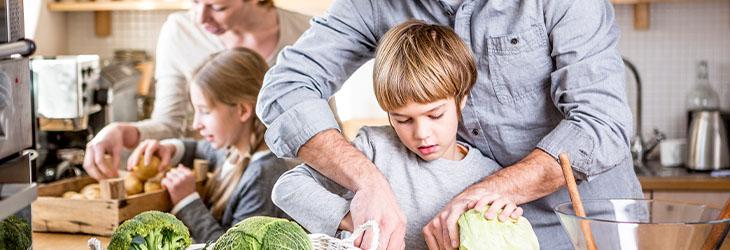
223,93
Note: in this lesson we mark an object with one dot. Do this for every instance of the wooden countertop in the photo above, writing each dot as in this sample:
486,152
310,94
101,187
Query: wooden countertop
680,179
62,241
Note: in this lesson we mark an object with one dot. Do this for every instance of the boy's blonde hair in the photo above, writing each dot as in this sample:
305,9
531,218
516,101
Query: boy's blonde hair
422,63
232,77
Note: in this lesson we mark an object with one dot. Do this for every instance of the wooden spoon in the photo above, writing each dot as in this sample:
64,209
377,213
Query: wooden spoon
575,199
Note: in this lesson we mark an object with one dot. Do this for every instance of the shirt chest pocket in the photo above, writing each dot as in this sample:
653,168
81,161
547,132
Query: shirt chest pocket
519,64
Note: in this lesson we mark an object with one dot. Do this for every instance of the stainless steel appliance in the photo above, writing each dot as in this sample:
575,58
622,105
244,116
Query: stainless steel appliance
65,90
708,144
11,21
17,187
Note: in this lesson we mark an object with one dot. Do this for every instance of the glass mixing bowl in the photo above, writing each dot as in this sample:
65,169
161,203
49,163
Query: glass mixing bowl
643,224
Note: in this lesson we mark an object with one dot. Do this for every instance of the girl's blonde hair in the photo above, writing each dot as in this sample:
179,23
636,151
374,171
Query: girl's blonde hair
422,63
232,77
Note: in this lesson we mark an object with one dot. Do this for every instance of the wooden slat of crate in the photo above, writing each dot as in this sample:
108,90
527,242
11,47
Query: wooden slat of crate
55,214
135,204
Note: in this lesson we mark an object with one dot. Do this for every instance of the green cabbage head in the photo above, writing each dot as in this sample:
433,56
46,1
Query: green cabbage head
264,233
478,233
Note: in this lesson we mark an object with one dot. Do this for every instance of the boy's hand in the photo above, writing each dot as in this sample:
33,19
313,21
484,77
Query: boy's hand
179,182
149,148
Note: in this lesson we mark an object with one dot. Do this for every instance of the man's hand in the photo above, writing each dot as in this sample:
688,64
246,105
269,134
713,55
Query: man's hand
333,156
378,203
535,176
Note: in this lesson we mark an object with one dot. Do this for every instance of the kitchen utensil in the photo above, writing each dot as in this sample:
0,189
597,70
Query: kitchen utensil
642,224
673,152
708,145
575,198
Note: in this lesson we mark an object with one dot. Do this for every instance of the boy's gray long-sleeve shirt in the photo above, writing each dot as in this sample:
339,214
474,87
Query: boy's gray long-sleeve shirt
421,188
550,77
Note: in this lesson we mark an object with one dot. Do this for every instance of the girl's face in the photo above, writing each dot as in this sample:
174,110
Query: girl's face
220,16
220,124
429,130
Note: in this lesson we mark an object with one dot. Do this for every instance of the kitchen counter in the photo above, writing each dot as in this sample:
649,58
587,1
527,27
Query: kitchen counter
62,241
657,177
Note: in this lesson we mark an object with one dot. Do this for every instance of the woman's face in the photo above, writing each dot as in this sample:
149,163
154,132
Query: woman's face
219,124
220,16
428,130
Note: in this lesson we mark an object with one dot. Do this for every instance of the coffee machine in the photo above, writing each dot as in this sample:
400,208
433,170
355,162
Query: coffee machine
17,183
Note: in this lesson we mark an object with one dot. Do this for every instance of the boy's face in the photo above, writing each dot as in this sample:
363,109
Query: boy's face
429,129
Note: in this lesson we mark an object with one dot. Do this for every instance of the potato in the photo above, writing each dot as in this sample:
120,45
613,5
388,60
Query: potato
144,172
69,194
91,191
75,196
132,185
152,185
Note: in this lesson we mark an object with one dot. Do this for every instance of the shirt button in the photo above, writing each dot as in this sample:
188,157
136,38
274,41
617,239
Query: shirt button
475,132
514,41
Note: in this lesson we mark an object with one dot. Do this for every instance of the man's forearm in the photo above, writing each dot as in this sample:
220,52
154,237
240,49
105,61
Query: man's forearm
534,177
333,156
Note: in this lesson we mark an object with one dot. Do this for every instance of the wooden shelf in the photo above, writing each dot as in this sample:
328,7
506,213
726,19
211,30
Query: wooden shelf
120,5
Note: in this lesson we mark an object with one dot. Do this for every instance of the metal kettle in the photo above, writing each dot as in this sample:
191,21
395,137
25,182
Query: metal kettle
708,144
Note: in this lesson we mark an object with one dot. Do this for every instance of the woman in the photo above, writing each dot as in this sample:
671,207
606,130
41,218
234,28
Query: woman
186,40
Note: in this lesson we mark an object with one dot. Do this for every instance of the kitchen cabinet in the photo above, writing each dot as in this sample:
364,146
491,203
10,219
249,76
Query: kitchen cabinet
678,184
710,198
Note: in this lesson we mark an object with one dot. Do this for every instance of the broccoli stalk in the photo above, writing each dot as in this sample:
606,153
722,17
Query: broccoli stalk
151,230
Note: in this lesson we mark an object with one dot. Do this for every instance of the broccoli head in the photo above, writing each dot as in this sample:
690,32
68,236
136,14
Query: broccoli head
15,234
264,233
151,230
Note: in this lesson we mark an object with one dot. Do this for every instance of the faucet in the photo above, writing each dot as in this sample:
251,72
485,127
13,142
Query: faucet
639,147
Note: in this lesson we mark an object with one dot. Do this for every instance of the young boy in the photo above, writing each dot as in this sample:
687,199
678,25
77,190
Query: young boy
422,76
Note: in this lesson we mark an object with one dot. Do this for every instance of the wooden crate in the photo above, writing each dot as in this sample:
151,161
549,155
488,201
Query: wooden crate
52,213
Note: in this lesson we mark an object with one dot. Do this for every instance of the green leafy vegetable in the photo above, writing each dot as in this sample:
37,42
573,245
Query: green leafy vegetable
15,234
264,233
151,230
477,233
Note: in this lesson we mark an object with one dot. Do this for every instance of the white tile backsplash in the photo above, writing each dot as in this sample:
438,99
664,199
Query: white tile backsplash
679,36
130,30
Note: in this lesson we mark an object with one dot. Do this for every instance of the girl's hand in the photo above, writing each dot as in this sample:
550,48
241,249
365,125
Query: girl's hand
179,182
497,202
148,148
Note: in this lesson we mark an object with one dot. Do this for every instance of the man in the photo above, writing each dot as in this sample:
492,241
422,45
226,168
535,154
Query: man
550,80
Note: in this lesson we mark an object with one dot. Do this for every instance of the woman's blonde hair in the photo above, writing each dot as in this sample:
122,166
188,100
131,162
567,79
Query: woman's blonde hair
232,77
422,63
